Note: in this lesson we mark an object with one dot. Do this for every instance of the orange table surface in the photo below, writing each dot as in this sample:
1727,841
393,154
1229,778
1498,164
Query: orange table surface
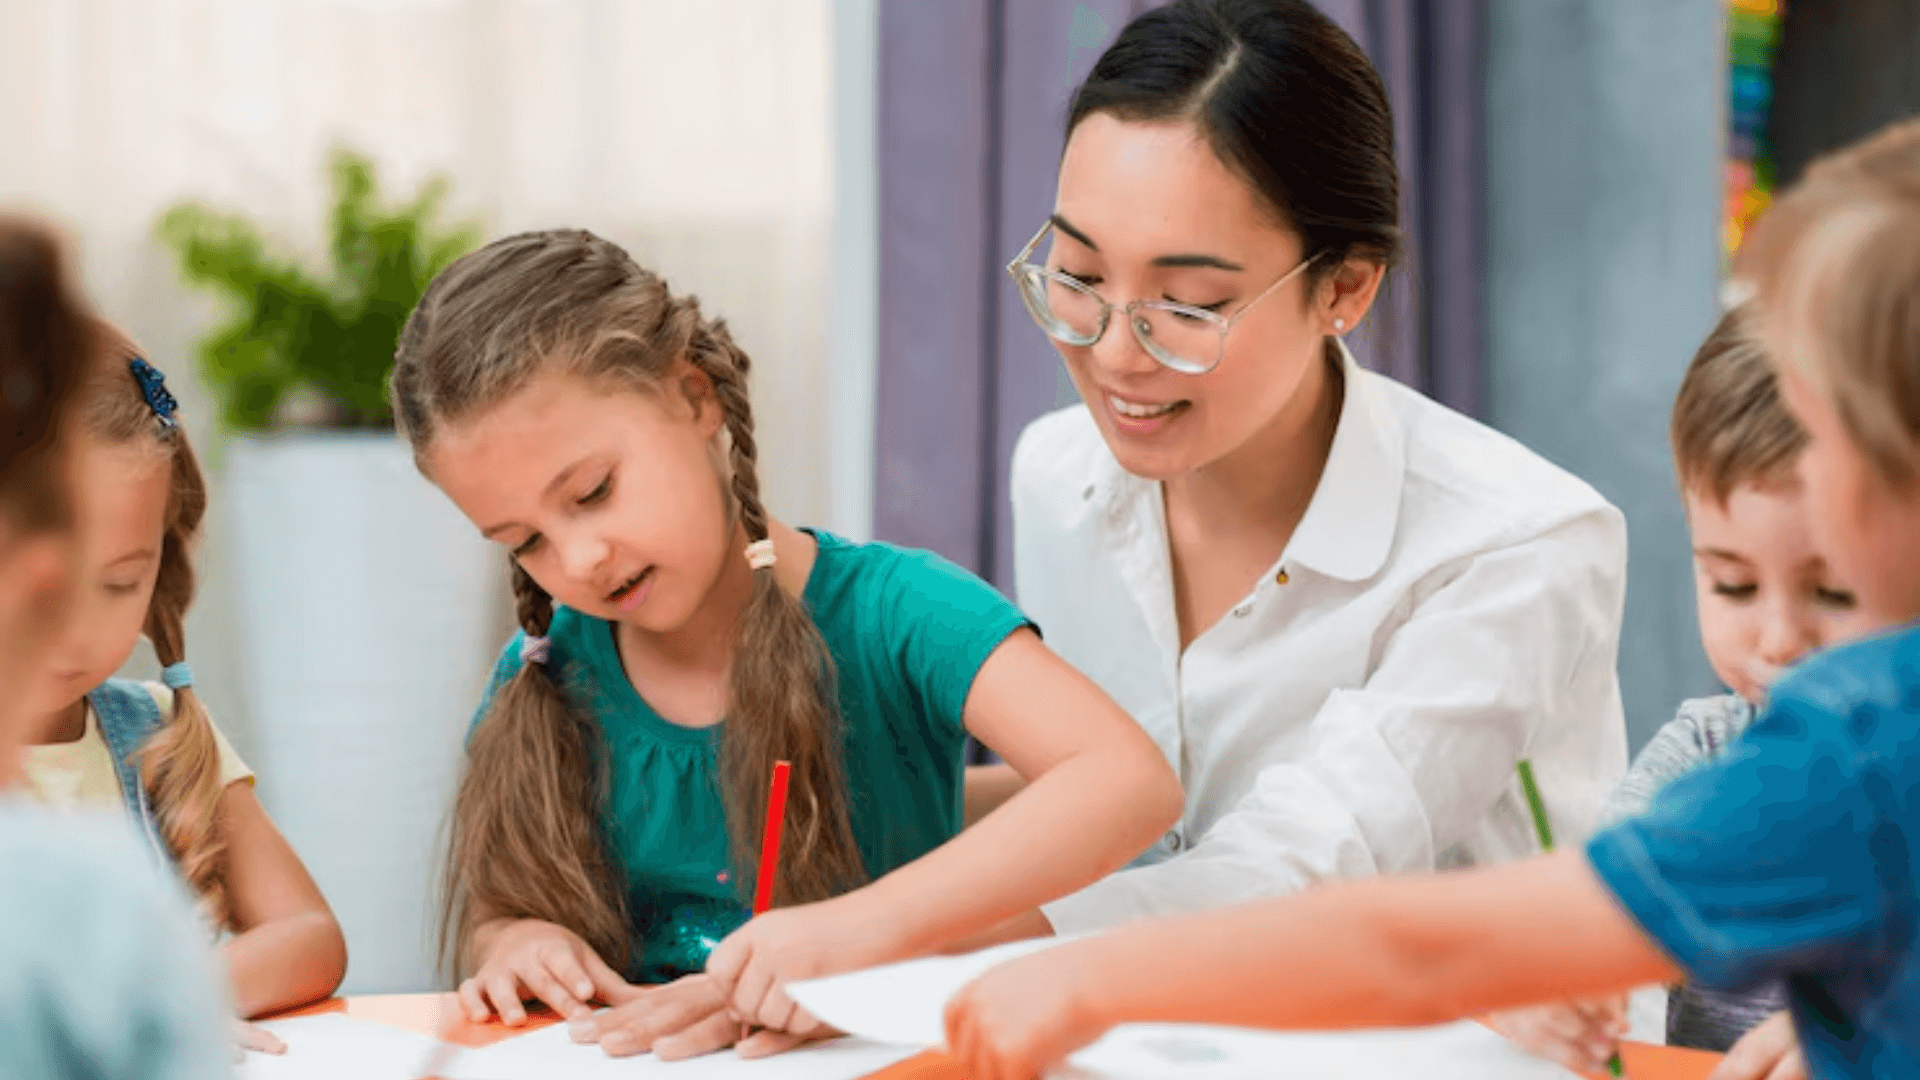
439,1014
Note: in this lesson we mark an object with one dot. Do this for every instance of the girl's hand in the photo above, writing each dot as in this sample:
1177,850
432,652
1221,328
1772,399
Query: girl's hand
683,1019
1579,1036
1768,1052
533,958
756,962
249,1037
1022,1017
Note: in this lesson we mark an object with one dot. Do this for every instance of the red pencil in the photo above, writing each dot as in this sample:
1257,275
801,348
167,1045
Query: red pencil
770,844
770,849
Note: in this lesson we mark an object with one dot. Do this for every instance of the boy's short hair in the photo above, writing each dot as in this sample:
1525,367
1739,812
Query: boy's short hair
1730,426
1836,263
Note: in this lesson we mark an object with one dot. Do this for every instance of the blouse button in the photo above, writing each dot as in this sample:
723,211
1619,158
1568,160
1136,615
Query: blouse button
1241,611
1173,839
1281,577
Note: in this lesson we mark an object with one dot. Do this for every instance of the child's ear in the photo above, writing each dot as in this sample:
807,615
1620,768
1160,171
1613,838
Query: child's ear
698,391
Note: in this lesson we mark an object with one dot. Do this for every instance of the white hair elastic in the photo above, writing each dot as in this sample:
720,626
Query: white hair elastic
760,554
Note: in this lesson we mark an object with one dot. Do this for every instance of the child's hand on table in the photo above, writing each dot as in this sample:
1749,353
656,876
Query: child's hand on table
1578,1035
756,962
683,1019
1770,1051
1023,1016
250,1037
533,958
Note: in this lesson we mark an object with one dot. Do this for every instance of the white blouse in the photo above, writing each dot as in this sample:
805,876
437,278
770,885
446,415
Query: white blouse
1449,604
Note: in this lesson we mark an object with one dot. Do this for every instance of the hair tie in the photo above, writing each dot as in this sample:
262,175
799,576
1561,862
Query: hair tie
153,387
177,676
760,554
535,650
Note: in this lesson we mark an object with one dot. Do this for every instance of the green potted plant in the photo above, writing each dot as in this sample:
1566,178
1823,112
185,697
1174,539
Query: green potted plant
366,602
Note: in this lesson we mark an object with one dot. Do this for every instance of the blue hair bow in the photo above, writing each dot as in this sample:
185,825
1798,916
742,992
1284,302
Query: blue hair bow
153,387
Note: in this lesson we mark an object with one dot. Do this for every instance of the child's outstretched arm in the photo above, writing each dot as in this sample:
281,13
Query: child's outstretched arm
1098,792
287,948
1380,952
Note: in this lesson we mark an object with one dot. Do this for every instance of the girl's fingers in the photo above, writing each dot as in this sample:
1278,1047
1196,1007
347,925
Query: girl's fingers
606,982
749,991
503,990
472,1004
251,1037
776,1010
768,1043
541,981
717,1032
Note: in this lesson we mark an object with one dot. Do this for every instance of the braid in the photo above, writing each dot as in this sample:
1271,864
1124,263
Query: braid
180,764
780,697
531,603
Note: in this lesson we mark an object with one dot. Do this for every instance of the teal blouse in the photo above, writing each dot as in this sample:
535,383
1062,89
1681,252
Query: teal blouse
908,631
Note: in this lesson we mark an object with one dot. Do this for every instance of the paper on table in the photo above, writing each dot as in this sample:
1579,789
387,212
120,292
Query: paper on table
1462,1051
550,1054
902,1003
905,1003
333,1045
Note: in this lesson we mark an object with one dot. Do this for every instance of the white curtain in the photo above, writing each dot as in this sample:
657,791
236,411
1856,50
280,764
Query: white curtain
699,133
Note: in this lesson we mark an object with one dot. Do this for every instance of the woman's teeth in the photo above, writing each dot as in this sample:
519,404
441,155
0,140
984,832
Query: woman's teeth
1141,412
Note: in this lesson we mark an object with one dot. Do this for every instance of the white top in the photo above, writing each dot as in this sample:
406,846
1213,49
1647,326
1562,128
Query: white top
1451,605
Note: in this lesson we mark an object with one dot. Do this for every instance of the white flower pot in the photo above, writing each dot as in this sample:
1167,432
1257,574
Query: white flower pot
367,611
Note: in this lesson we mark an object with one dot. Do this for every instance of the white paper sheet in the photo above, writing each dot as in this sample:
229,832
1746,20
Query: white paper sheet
550,1054
905,1003
902,1003
333,1046
1462,1051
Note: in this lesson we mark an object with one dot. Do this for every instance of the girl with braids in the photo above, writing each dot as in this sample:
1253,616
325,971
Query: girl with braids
99,975
110,743
676,640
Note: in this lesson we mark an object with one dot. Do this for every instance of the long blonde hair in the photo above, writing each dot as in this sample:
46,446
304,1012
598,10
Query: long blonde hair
525,839
179,764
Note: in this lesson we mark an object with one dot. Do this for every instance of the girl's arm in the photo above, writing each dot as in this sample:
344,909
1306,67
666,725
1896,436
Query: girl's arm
287,948
988,788
1098,792
1384,952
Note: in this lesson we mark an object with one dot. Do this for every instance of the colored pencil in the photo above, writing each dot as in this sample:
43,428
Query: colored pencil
1545,831
770,844
770,849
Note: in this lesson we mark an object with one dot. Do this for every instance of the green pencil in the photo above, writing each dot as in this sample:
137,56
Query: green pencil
1545,830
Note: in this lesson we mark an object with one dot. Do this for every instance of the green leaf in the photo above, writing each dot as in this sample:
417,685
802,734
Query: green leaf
333,330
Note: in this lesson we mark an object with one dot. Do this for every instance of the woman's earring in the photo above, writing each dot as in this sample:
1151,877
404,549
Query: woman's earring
1339,326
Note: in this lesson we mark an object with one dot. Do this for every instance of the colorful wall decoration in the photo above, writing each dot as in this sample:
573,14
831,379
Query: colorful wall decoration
1753,35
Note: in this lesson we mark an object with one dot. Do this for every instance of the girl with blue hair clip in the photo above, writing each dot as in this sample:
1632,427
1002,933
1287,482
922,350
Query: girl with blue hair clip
151,747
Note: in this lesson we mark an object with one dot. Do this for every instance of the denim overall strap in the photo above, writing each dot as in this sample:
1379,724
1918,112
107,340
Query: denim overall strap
128,716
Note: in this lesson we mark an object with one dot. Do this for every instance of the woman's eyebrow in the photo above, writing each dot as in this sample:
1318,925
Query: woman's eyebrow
1182,261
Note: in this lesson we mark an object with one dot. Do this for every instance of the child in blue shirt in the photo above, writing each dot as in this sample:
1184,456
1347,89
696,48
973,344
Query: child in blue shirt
1795,857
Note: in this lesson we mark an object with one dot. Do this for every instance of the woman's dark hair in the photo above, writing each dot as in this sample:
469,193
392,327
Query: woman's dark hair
1285,98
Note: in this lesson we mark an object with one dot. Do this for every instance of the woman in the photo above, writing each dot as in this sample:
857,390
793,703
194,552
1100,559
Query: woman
1343,611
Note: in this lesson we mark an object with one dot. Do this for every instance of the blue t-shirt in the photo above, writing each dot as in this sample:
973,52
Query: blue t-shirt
103,969
1795,857
907,630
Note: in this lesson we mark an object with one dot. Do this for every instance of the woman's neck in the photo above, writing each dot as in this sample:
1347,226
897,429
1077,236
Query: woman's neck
1265,484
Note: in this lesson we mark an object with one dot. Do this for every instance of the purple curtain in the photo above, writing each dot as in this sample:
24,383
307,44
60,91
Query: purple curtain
973,95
